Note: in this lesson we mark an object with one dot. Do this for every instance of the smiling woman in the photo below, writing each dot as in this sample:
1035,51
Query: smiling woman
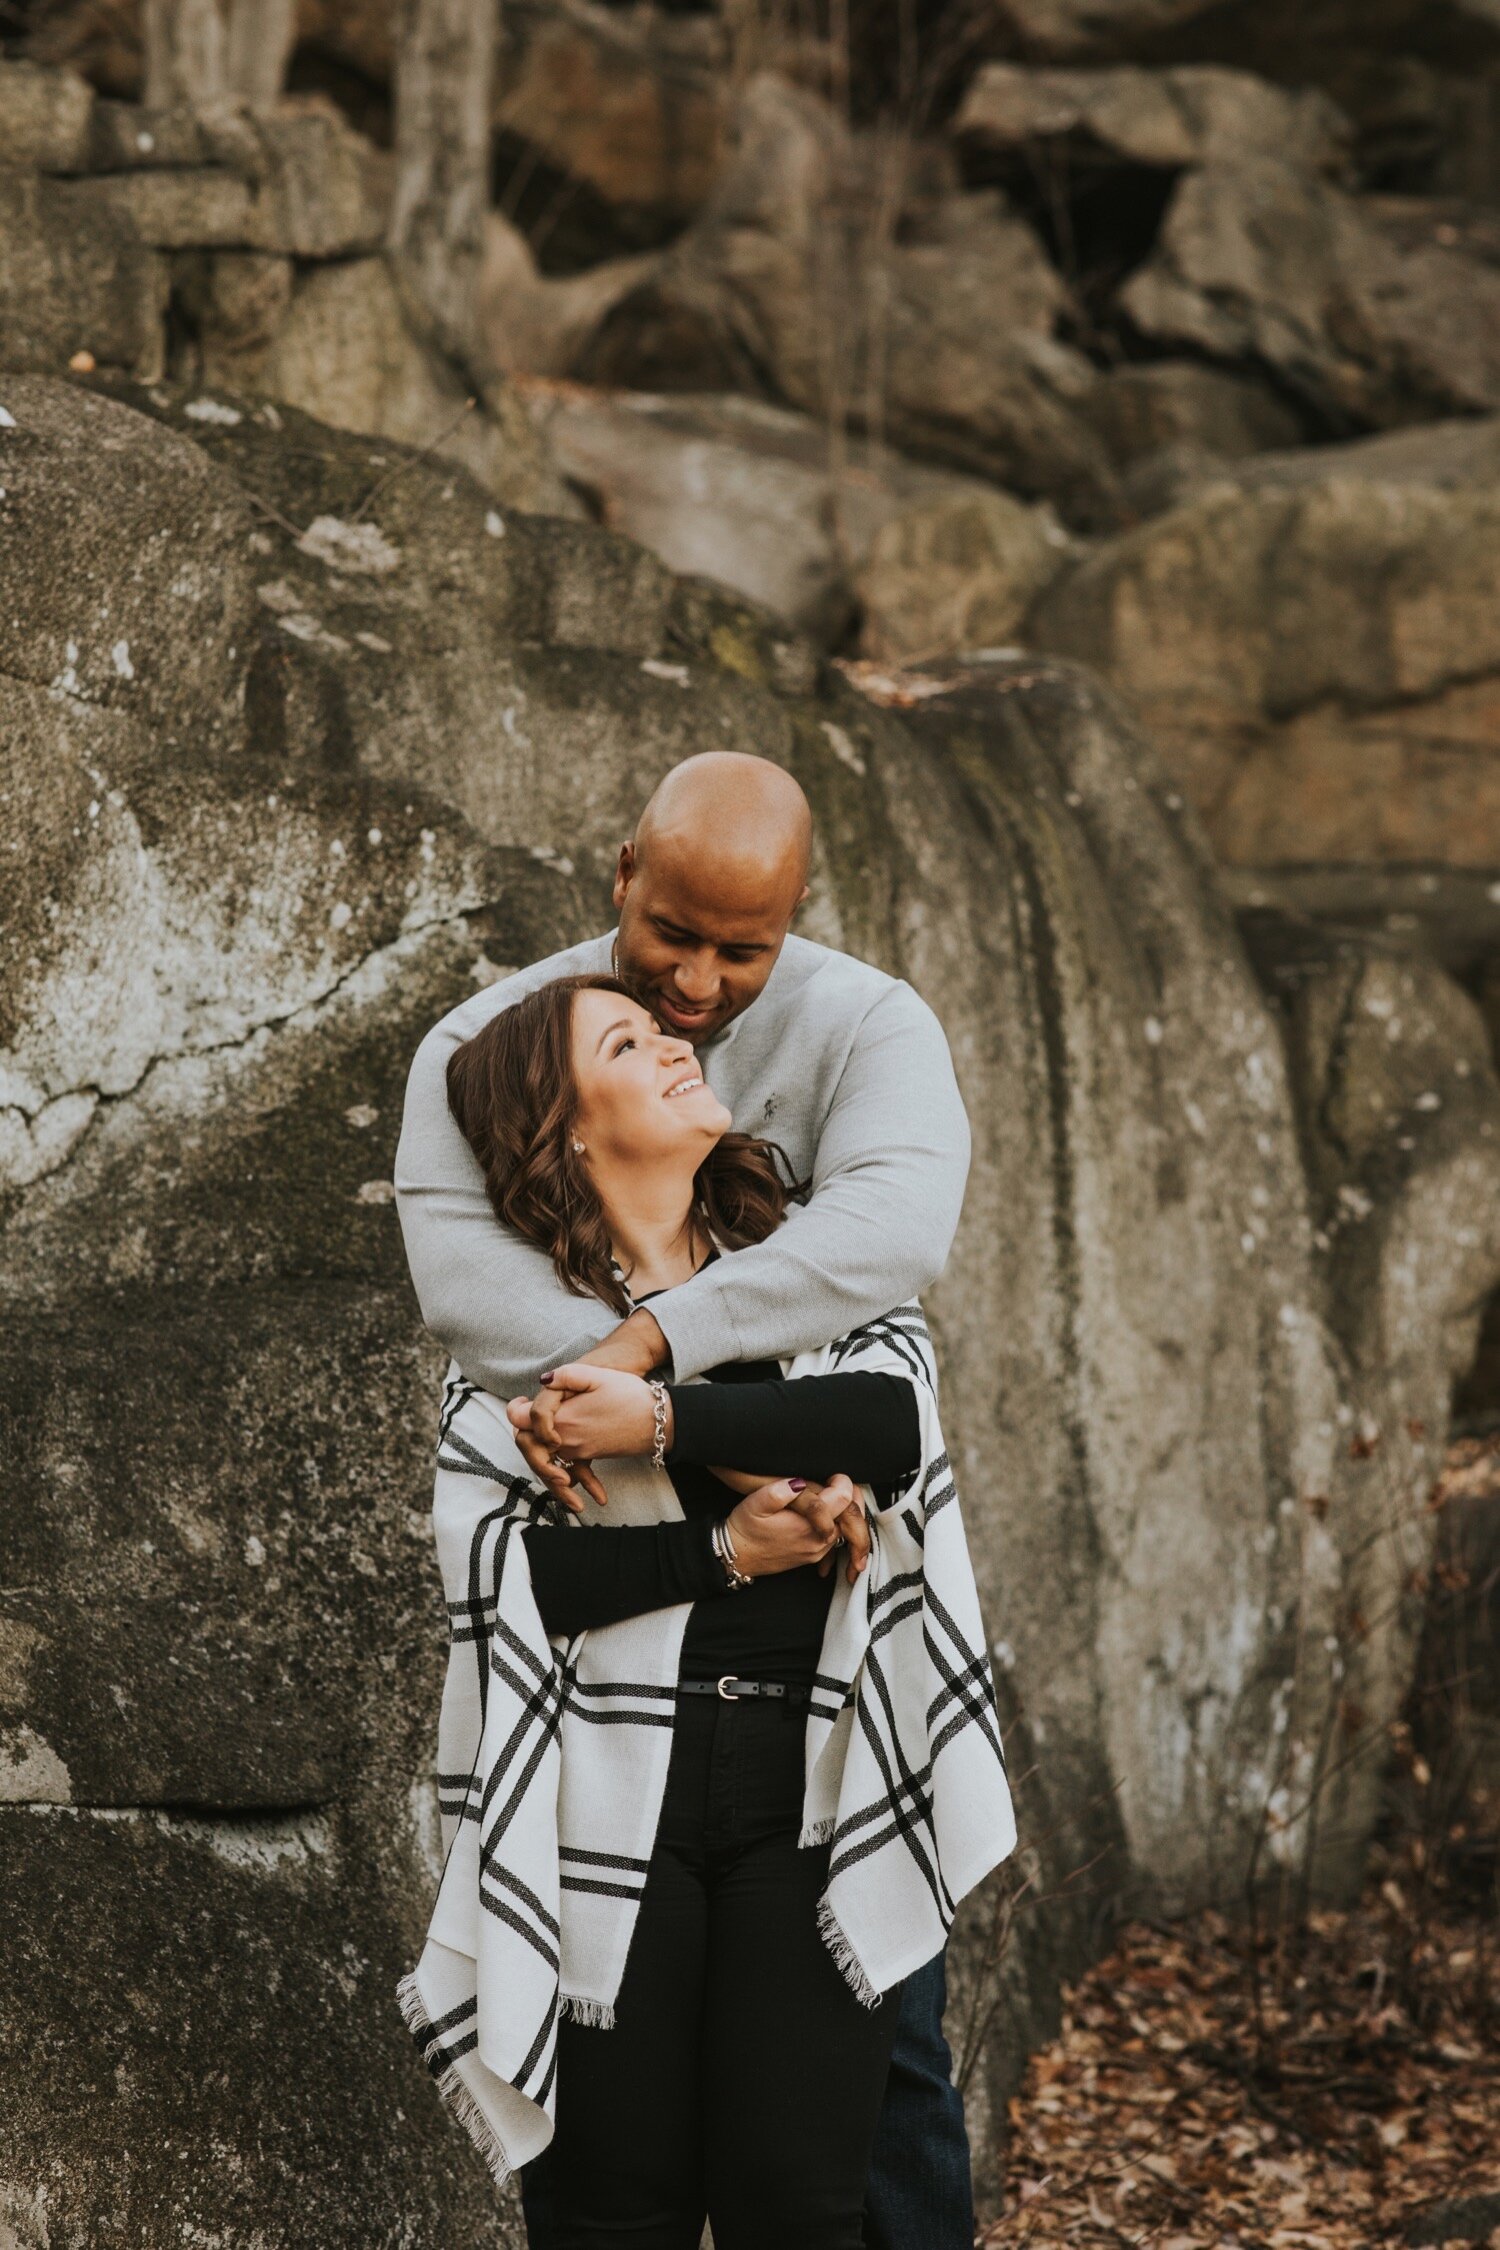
585,1117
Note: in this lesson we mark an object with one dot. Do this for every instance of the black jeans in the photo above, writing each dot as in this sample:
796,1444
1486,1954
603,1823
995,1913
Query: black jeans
742,2080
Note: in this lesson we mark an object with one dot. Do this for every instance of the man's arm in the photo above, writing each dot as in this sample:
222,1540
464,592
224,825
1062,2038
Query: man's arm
888,1186
492,1298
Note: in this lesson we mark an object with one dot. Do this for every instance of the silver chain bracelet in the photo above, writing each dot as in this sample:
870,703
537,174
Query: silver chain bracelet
659,1419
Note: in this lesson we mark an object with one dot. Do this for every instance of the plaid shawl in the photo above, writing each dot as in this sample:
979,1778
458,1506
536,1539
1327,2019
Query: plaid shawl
553,1755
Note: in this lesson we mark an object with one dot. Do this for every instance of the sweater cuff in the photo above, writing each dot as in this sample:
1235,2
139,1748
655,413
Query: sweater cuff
695,1320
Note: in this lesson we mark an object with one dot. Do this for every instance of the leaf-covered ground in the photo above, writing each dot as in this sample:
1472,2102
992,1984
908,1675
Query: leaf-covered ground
1373,2089
1330,2083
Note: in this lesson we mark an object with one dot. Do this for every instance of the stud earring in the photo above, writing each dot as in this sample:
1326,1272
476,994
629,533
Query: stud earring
578,1148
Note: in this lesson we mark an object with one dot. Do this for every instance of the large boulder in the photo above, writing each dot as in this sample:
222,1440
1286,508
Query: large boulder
1312,639
1260,262
613,117
1222,414
45,118
752,495
343,349
296,181
1161,119
75,279
1173,424
954,574
540,324
1453,1781
1416,78
629,106
1187,1408
1259,33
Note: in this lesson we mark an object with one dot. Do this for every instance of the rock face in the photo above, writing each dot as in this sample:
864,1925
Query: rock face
1311,638
1257,260
762,500
822,270
1218,1266
228,250
952,575
1164,119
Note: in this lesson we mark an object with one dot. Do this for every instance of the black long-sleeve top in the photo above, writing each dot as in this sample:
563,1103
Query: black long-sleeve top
746,1416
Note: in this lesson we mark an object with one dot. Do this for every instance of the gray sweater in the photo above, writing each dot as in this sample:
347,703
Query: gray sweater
843,1066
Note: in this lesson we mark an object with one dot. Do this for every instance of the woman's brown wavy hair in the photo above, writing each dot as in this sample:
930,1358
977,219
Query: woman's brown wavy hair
512,1091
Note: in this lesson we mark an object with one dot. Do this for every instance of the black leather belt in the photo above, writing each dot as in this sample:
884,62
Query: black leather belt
733,1690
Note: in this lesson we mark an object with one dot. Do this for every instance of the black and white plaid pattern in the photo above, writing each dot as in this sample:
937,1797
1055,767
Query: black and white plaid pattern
552,1756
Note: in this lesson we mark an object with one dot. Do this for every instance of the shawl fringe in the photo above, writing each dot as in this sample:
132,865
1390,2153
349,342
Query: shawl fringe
817,1832
451,2087
831,1931
597,2015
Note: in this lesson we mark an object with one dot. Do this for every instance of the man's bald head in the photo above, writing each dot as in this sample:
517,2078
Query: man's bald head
741,816
708,885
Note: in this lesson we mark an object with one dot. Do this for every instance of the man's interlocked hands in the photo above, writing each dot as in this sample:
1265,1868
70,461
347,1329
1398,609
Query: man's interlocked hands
587,1412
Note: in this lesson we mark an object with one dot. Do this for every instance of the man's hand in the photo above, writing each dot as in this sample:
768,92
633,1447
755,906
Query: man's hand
790,1523
837,1503
851,1526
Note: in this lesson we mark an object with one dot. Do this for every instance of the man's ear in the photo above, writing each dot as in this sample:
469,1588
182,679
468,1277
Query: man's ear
624,872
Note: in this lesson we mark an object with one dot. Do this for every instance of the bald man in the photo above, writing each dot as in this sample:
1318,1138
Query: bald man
850,1073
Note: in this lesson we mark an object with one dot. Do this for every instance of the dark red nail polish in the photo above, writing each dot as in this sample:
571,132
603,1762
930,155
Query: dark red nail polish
798,1484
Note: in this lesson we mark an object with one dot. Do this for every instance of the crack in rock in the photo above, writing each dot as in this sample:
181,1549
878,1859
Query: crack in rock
28,1154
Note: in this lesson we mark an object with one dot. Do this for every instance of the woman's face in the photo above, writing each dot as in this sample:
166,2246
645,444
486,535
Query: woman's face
641,1096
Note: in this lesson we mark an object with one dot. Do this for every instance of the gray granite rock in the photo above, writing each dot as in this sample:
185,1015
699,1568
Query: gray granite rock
45,117
1310,638
75,279
1259,262
1160,119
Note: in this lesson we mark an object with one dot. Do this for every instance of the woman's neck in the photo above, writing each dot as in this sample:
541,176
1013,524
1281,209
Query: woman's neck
652,1228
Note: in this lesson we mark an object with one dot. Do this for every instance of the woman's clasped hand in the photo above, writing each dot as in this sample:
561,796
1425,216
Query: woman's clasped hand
584,1414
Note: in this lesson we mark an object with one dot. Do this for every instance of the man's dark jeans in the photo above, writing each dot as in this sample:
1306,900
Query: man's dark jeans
920,2196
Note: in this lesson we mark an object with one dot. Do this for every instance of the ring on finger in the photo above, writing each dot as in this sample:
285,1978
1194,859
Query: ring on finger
561,1461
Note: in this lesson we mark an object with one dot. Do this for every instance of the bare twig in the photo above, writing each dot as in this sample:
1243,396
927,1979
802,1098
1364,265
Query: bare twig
399,470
